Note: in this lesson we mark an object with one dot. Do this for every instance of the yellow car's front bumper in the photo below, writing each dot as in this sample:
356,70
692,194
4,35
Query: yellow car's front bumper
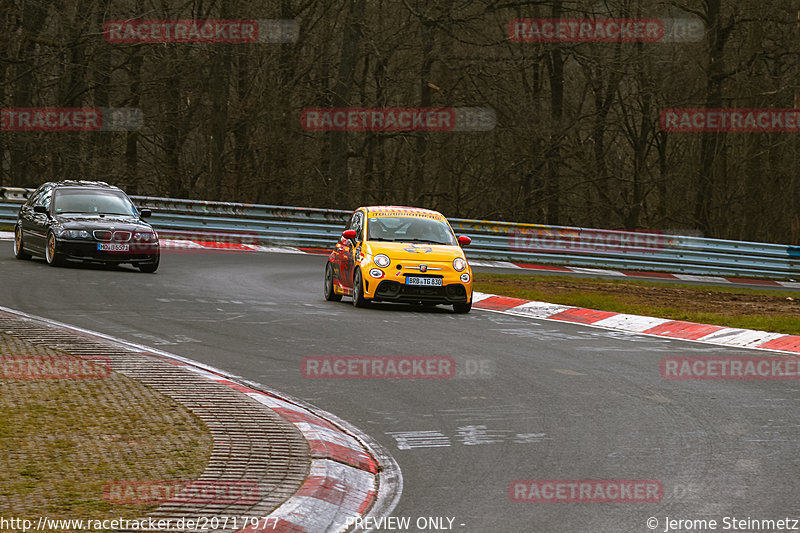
390,283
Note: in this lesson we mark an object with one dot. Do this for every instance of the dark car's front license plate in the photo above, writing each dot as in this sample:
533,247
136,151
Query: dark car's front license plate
112,247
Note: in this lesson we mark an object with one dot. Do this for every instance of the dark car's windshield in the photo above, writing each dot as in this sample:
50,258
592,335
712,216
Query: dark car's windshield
409,229
92,201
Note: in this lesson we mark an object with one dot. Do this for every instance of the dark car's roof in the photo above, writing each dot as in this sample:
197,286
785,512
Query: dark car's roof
83,184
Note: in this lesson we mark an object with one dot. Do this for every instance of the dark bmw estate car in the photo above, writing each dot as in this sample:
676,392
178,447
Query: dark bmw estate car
85,221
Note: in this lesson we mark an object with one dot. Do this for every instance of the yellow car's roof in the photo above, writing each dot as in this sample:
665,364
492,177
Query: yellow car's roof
398,210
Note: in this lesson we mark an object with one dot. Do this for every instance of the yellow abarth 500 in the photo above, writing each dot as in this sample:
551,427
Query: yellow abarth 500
400,254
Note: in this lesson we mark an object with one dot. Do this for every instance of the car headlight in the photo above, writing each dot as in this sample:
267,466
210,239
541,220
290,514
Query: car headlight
376,273
144,236
465,277
382,260
75,234
459,264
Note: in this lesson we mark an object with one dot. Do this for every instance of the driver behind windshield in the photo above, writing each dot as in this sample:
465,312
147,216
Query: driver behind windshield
91,202
407,229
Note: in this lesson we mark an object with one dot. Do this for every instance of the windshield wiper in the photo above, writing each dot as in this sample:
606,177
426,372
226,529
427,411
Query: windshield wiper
426,241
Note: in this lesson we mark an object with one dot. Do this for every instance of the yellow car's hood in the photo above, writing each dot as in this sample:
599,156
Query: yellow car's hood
405,251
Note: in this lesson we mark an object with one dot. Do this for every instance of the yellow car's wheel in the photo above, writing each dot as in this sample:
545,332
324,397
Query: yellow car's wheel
330,293
358,291
462,308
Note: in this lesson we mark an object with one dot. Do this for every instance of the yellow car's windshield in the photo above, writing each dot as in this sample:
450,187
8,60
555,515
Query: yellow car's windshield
409,229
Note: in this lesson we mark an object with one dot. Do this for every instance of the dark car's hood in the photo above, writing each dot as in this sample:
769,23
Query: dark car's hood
84,221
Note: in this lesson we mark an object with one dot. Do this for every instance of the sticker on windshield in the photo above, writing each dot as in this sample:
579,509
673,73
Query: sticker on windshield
407,213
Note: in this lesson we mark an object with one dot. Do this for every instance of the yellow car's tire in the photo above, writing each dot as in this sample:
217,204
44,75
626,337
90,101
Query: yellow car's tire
330,293
358,291
462,308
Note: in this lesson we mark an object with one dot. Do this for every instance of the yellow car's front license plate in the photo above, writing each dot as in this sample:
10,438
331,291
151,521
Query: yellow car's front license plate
424,282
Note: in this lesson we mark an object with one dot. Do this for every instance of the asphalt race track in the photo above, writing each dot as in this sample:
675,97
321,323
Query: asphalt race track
533,399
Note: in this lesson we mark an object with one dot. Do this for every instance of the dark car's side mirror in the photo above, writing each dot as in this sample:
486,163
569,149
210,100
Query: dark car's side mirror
349,234
463,240
40,209
144,213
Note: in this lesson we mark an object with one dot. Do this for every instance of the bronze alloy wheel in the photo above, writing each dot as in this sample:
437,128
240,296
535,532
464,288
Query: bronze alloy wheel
51,254
19,248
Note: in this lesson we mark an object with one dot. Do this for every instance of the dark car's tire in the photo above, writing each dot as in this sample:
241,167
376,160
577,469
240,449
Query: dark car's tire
19,247
358,291
330,294
149,267
51,254
462,308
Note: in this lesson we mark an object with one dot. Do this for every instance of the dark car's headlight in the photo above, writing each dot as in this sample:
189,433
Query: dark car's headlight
145,236
75,234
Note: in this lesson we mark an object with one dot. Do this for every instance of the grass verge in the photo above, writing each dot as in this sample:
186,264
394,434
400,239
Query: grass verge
63,440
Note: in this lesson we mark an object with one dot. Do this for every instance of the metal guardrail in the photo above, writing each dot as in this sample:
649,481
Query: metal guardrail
14,194
491,240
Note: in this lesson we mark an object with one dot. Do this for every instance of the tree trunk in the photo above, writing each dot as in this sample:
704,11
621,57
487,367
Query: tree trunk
710,142
339,170
33,17
553,184
425,94
132,137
